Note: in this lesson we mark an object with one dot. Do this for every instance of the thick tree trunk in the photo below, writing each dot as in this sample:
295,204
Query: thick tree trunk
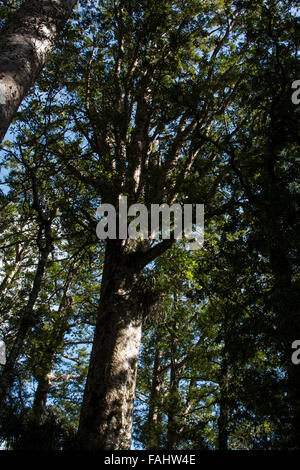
24,43
106,414
286,297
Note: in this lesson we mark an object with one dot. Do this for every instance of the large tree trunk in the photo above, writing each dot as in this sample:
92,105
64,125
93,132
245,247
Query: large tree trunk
286,298
106,414
24,43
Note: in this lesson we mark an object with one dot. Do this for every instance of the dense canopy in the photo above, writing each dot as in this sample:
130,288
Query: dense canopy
142,343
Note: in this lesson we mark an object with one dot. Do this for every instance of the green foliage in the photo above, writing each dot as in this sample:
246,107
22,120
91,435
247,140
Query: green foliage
195,98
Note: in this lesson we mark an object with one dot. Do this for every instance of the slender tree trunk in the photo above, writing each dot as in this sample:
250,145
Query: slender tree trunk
107,409
40,397
26,318
47,361
14,271
188,406
24,43
172,430
153,422
223,420
173,405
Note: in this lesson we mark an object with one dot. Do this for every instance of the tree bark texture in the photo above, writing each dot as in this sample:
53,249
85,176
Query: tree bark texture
24,43
107,410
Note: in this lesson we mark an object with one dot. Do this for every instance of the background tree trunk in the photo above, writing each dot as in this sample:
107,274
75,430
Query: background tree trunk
223,419
47,360
173,402
27,315
154,415
40,398
24,43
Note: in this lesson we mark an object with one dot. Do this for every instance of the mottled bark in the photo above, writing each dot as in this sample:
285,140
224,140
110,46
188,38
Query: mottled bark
24,43
107,409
